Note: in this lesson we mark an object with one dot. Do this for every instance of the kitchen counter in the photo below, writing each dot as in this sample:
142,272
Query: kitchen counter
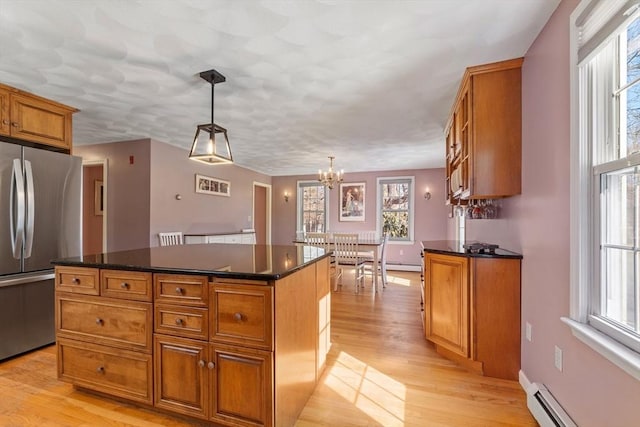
454,247
247,262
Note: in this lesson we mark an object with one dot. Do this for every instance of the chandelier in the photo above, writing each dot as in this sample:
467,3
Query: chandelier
205,148
330,177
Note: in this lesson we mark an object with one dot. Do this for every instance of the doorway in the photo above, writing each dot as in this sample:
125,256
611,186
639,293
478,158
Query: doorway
94,207
262,213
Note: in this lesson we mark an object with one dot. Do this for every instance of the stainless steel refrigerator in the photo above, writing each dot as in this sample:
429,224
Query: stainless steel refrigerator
40,220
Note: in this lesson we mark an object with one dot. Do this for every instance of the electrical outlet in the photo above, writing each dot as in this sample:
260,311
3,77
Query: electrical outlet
558,358
401,252
528,331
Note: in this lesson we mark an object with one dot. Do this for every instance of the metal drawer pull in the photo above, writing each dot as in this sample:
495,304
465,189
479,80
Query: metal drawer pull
238,317
100,370
14,124
211,365
99,321
124,285
75,280
179,321
179,290
201,363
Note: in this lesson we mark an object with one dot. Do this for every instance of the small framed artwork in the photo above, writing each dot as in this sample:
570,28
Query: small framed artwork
213,186
98,197
352,201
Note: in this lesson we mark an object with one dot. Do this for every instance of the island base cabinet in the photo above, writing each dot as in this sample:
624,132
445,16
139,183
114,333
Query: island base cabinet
225,384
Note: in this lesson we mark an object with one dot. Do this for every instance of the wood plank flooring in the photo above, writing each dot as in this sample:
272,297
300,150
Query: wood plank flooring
380,372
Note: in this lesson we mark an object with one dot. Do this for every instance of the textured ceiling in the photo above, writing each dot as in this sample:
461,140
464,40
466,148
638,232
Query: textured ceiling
371,82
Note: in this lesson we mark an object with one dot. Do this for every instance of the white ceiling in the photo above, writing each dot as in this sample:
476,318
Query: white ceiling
369,81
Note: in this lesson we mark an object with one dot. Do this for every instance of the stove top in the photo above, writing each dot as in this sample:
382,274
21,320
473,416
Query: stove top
480,248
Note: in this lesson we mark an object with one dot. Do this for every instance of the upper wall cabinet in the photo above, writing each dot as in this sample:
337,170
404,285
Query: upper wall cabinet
484,133
32,118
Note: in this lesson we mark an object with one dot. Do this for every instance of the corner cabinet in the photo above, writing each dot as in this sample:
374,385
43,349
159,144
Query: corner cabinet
32,118
484,134
472,311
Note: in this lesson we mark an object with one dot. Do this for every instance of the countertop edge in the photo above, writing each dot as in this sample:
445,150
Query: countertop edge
429,246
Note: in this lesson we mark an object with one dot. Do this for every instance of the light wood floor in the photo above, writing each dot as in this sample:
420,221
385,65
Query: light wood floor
381,372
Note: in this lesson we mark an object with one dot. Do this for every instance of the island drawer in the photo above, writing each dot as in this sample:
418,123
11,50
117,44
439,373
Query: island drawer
123,324
132,285
242,314
78,280
182,321
181,289
117,372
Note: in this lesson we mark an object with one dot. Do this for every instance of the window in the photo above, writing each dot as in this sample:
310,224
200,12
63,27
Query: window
605,197
312,207
395,208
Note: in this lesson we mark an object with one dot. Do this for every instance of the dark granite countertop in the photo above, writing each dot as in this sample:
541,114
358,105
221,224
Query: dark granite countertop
454,247
249,262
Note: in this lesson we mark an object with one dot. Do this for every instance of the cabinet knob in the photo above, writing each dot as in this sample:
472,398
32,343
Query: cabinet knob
211,365
14,124
179,322
124,285
5,122
99,321
238,317
75,281
100,370
201,363
179,290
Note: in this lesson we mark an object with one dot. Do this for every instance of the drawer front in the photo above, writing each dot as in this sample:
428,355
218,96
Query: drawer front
124,324
179,289
130,285
242,314
78,280
117,372
192,322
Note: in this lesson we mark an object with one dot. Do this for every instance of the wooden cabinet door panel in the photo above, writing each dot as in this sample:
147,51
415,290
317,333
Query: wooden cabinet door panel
36,120
118,372
181,375
241,314
5,119
242,386
123,324
447,302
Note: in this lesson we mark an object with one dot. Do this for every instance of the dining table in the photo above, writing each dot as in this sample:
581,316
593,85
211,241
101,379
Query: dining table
372,245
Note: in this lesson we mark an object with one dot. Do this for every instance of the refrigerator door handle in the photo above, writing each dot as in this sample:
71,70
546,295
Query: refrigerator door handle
16,210
30,209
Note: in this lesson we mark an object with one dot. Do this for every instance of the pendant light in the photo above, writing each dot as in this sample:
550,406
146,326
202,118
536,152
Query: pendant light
205,147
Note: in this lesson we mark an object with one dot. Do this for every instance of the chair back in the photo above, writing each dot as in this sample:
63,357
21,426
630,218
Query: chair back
346,248
318,239
170,238
383,252
367,235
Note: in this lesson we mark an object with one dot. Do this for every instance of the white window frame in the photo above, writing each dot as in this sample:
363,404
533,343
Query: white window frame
379,182
583,234
299,203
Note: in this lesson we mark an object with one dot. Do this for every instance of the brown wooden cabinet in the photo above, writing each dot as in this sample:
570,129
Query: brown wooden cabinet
484,133
472,311
32,118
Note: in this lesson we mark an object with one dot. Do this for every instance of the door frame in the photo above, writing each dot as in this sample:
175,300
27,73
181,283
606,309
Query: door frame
268,209
105,187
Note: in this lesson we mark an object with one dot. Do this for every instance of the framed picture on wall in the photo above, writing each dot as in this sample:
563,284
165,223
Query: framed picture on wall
213,186
352,201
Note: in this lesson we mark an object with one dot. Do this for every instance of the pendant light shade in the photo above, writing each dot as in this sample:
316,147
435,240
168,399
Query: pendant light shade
211,143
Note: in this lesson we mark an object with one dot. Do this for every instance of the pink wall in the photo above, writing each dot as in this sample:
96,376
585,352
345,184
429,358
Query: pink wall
172,173
430,215
592,390
127,191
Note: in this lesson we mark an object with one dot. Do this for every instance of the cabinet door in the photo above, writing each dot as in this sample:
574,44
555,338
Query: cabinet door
5,119
242,386
447,302
36,120
181,377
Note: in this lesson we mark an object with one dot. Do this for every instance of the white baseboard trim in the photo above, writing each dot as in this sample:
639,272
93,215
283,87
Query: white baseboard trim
403,267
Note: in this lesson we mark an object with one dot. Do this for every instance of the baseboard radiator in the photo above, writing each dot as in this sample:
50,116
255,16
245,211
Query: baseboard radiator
546,409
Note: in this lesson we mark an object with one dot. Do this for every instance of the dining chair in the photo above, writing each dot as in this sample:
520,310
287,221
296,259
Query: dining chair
322,240
382,262
346,255
171,238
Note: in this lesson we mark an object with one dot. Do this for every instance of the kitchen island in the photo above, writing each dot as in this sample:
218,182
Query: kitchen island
471,304
233,334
